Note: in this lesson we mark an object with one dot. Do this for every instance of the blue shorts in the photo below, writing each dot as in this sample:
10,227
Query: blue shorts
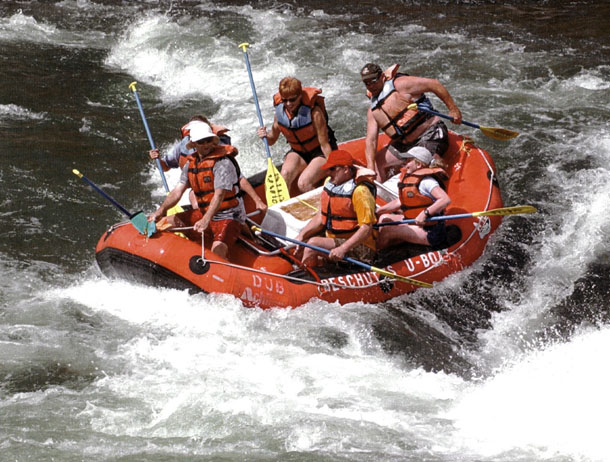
437,234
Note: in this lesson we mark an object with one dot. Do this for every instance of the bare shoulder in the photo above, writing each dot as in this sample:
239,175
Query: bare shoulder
414,87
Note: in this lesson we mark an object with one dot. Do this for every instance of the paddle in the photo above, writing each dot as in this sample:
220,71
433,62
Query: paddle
132,87
138,219
348,259
515,210
501,134
276,190
176,208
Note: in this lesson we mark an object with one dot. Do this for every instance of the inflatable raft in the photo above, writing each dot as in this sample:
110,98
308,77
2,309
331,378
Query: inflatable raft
262,272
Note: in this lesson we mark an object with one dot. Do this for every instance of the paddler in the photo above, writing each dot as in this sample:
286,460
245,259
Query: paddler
421,195
300,115
391,93
179,152
213,175
346,216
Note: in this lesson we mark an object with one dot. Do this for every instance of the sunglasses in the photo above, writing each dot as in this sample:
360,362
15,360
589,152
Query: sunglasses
371,81
290,100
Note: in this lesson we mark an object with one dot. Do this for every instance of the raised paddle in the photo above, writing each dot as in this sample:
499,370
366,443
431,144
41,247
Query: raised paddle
176,208
132,87
501,134
515,210
276,190
366,266
138,219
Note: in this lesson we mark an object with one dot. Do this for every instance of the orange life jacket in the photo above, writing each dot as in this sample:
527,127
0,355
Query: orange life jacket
390,110
201,177
299,129
337,207
412,202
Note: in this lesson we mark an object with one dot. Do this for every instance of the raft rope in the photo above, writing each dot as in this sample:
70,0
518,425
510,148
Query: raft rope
203,260
293,278
284,276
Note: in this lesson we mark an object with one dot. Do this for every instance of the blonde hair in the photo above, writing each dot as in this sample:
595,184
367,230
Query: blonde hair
290,86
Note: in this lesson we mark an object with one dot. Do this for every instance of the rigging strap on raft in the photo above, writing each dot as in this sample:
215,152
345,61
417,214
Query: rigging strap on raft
292,278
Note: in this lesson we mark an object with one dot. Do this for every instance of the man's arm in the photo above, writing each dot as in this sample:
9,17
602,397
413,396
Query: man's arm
413,87
370,146
364,231
246,187
313,227
390,207
172,199
442,200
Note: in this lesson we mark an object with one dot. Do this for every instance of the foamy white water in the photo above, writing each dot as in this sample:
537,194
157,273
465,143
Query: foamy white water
549,403
12,112
107,370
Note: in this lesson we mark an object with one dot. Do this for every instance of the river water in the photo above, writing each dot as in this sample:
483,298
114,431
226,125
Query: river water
506,361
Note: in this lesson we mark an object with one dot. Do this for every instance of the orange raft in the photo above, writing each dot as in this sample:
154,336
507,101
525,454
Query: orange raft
262,273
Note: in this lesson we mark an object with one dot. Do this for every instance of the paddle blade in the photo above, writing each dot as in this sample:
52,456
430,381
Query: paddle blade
174,210
276,190
516,210
398,277
141,223
501,134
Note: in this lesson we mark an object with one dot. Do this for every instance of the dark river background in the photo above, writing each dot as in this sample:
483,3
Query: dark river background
506,361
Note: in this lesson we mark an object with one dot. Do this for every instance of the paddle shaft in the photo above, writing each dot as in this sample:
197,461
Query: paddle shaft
253,87
102,193
445,116
518,209
316,248
501,134
150,139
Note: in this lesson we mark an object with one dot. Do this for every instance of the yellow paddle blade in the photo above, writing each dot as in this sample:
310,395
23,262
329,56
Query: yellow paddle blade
174,210
276,190
398,277
515,210
502,134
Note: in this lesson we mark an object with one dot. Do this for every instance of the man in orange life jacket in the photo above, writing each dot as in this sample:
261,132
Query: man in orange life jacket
178,157
347,214
213,174
391,93
300,115
421,196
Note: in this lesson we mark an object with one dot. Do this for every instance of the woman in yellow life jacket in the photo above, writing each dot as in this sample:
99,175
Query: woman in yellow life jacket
300,115
391,93
421,195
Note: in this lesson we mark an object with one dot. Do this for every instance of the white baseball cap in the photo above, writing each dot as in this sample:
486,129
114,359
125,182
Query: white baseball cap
420,153
201,132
